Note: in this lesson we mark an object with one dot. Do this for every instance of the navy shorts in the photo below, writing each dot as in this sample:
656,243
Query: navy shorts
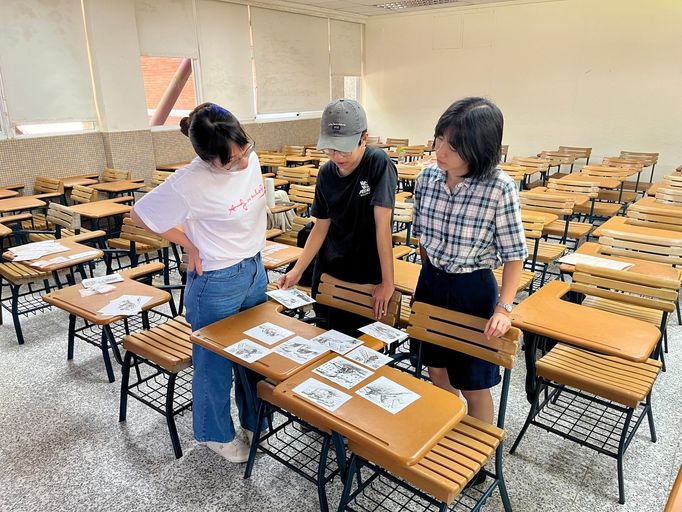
473,293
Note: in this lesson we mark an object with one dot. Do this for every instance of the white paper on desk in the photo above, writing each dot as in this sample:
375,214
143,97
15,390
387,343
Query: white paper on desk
321,394
343,372
384,332
98,281
595,261
51,261
337,341
368,357
269,333
125,305
291,298
300,349
388,395
270,248
247,350
84,254
37,250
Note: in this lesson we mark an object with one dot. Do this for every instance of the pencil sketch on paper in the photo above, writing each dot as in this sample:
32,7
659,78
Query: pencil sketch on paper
300,349
368,357
343,372
337,341
387,394
247,350
291,298
321,394
268,333
384,332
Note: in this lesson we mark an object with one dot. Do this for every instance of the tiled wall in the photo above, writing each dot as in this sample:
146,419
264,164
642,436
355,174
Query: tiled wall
21,160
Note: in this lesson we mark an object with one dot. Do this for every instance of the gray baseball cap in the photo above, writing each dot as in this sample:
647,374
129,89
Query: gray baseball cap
341,127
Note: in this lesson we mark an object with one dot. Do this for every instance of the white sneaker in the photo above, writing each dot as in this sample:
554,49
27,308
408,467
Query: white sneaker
235,451
249,436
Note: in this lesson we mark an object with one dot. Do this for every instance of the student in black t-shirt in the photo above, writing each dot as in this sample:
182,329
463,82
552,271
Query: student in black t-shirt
354,200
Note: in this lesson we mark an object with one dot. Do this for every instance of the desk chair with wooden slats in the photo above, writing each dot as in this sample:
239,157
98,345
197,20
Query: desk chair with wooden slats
539,251
579,152
303,197
407,174
397,142
647,159
166,349
652,217
591,209
268,161
295,175
535,164
516,172
410,153
291,237
441,476
116,175
48,189
403,215
81,194
594,397
561,205
557,159
670,196
158,177
288,149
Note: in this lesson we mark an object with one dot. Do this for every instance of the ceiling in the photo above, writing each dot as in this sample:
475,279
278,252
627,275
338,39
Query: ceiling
368,7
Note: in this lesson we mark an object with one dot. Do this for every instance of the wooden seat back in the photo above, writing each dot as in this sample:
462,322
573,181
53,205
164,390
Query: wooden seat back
82,194
656,218
647,158
462,333
315,153
270,160
355,298
293,150
373,139
623,163
429,146
47,185
403,212
63,216
642,247
392,141
408,172
647,291
532,162
116,175
302,194
130,231
536,201
299,175
577,151
558,157
313,175
159,177
532,225
576,187
516,172
411,152
673,181
669,196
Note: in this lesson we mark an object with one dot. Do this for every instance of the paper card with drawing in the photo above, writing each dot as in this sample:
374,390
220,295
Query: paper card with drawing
337,341
247,350
94,282
368,357
300,349
343,372
125,305
384,332
268,333
387,394
321,394
291,298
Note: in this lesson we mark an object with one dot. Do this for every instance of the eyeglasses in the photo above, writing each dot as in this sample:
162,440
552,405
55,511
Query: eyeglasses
440,141
332,152
229,166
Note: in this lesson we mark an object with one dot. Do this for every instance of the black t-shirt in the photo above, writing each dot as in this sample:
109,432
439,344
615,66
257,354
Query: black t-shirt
350,250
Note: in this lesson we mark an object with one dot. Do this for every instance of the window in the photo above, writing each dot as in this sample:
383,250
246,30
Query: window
162,74
351,88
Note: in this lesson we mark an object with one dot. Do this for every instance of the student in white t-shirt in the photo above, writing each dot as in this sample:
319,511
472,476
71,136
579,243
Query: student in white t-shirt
215,209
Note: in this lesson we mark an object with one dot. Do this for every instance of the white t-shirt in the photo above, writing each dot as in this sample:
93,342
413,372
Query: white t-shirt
221,212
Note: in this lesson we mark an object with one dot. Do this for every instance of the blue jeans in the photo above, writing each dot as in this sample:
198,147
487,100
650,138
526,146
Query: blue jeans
210,297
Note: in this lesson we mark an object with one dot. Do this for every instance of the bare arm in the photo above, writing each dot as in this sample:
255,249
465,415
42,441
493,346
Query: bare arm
383,293
312,247
499,323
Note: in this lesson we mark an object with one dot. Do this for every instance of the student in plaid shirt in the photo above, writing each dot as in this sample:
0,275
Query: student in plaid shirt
468,221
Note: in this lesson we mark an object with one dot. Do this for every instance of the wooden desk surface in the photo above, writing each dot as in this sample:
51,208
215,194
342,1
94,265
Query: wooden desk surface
609,183
15,204
228,331
404,437
77,180
281,208
74,249
651,191
172,167
114,187
638,266
4,194
548,218
545,314
650,203
382,145
300,159
4,230
281,255
101,209
406,275
621,224
69,300
579,199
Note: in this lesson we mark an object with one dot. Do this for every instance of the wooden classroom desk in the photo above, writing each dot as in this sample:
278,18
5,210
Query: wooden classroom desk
406,275
651,205
5,231
17,204
118,187
621,224
390,436
101,209
297,159
547,218
610,183
651,191
4,194
579,199
651,268
228,331
382,145
77,180
281,208
172,167
283,255
74,249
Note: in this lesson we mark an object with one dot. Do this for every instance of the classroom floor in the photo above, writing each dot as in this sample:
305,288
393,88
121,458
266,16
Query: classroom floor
62,447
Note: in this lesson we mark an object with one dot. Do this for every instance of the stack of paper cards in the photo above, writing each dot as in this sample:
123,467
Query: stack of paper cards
247,350
95,282
387,394
368,357
268,333
37,250
595,261
105,288
337,341
384,332
291,298
300,349
125,305
343,372
321,394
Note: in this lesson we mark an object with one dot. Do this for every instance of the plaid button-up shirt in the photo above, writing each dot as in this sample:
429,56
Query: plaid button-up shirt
475,226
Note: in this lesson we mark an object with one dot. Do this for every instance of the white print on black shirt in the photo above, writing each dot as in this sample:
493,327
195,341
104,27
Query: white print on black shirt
364,188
